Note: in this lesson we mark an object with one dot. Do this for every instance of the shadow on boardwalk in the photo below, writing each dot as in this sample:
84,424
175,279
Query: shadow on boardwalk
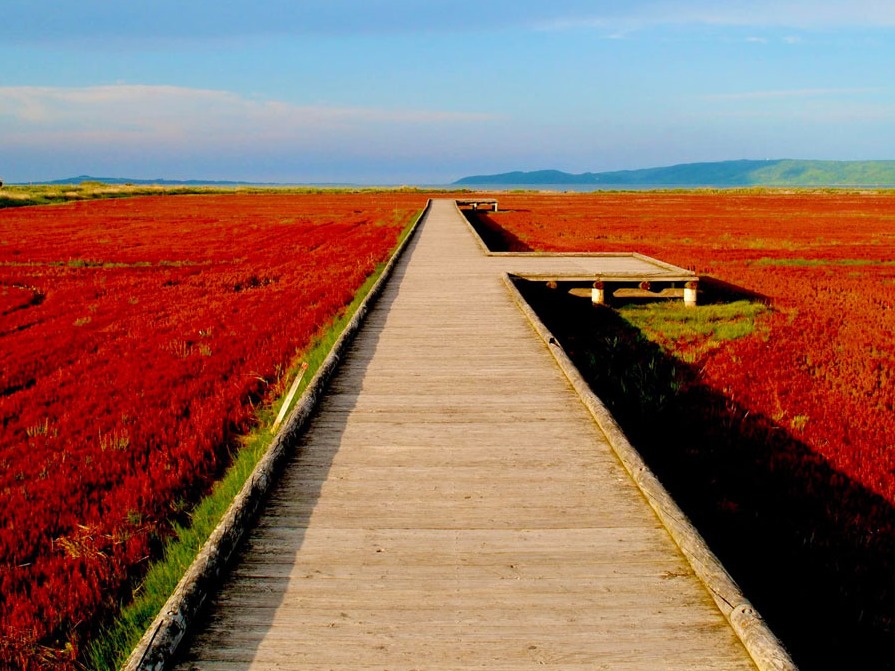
812,549
266,562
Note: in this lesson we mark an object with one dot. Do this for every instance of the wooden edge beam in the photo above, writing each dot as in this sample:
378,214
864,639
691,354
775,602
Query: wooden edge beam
605,277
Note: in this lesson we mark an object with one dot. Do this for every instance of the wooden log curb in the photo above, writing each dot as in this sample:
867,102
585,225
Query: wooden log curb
760,642
160,643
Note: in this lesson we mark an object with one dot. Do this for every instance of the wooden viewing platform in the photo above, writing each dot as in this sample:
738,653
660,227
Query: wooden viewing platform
453,505
475,203
622,274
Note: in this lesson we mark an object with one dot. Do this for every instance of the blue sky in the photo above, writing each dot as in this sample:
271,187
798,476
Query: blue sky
425,92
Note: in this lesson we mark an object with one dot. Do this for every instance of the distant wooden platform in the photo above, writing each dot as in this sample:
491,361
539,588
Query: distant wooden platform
454,506
476,203
609,267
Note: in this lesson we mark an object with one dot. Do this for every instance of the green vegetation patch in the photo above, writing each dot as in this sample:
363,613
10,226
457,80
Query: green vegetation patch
691,331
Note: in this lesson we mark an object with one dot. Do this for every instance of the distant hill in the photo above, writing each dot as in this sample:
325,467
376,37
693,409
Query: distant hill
784,172
80,179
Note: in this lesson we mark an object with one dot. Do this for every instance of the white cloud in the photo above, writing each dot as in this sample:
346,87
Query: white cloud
175,117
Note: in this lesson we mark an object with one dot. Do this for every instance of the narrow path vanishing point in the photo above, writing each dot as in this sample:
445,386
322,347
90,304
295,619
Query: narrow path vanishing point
454,506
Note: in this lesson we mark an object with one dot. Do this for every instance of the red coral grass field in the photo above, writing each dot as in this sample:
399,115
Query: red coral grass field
136,335
825,261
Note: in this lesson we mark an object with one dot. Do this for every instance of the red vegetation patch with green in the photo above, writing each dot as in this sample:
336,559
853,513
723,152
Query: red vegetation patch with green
135,337
823,364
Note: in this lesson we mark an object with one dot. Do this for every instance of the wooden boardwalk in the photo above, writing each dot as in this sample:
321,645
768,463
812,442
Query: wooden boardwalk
454,506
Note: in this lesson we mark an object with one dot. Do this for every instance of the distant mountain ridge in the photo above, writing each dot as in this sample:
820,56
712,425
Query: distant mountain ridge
80,179
782,172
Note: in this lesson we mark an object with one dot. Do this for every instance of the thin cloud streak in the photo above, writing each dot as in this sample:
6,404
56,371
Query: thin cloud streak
818,15
174,132
139,114
792,93
135,23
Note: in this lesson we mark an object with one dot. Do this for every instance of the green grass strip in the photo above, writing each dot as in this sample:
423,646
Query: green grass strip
111,647
671,322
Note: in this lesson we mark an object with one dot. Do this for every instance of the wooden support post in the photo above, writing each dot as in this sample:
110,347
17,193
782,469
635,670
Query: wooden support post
690,293
598,293
495,206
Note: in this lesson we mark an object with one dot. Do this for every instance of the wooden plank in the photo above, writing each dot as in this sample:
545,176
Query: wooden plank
453,505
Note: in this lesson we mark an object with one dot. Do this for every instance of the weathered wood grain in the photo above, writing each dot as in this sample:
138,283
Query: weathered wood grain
453,505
